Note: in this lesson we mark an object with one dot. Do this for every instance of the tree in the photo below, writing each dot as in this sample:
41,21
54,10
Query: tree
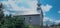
14,22
1,14
10,22
1,11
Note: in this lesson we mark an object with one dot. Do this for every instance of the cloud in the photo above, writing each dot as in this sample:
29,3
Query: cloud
57,22
6,12
58,11
50,21
46,18
46,7
24,4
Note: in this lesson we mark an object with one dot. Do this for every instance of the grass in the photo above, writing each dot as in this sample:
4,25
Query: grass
30,26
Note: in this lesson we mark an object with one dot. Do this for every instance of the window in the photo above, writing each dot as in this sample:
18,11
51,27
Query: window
30,20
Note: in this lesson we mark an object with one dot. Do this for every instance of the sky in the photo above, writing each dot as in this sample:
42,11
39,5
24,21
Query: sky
54,12
51,9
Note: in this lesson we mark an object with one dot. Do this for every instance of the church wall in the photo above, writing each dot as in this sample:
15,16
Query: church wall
33,19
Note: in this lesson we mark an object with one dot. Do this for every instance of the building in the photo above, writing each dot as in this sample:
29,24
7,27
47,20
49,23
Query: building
33,17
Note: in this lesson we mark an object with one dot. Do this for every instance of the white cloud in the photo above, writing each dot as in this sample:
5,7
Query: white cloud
58,21
32,4
46,7
58,11
6,13
49,20
46,19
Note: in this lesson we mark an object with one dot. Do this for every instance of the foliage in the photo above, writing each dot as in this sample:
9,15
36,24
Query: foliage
1,11
55,25
13,22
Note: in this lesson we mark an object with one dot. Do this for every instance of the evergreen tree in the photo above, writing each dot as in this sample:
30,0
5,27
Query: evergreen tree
1,11
1,14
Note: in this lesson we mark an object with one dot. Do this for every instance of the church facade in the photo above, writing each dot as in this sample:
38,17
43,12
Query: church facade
33,17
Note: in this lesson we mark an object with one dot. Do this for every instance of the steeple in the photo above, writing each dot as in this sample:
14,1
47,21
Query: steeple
39,6
38,3
41,12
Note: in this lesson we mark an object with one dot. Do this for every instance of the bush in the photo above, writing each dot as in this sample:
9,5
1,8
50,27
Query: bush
13,22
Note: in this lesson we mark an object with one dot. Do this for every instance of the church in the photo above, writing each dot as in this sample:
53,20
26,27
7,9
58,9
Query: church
33,17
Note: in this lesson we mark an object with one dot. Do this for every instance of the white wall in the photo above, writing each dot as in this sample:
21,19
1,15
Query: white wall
35,19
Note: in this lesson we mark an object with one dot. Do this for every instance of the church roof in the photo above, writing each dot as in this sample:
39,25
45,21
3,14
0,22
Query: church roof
28,12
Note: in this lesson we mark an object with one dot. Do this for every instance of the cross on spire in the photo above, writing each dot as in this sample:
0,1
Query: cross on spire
38,3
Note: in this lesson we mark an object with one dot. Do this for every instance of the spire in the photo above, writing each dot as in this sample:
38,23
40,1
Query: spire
39,6
41,12
38,3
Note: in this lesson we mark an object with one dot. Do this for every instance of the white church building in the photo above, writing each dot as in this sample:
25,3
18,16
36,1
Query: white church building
33,17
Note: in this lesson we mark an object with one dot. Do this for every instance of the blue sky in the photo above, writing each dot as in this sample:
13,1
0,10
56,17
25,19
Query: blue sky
51,9
54,11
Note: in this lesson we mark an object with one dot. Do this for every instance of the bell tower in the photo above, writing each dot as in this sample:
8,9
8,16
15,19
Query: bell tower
41,12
